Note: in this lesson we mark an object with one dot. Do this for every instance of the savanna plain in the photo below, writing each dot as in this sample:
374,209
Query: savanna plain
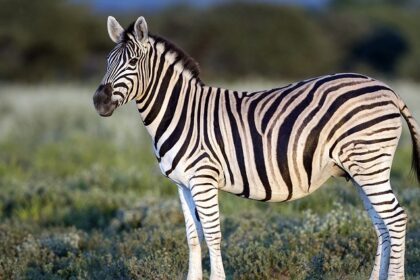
82,197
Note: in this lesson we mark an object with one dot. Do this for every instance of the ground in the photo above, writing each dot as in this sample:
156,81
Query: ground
81,197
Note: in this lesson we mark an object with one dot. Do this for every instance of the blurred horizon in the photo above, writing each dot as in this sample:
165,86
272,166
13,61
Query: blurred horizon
67,41
156,6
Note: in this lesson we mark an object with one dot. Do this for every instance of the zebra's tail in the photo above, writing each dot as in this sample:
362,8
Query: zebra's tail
415,137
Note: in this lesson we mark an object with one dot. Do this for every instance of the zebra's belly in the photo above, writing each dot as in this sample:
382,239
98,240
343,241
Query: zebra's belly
279,194
277,190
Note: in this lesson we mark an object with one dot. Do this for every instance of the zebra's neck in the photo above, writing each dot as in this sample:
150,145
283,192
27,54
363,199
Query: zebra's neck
170,99
177,107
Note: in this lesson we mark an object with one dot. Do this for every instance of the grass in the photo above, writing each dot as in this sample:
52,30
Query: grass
81,197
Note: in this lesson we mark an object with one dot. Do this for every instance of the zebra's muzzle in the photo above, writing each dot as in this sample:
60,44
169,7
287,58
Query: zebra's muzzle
102,100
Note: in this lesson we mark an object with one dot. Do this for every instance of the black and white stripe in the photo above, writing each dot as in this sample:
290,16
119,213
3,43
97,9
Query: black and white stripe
271,145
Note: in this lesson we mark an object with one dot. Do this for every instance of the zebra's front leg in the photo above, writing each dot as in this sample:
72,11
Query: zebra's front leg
205,196
194,234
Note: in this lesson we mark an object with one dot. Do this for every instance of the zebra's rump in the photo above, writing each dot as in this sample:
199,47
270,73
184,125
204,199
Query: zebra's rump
281,144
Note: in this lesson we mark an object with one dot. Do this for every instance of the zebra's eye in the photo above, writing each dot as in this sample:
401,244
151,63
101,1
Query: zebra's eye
133,61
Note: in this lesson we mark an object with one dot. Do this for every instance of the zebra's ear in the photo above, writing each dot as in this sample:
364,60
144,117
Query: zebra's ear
115,30
140,29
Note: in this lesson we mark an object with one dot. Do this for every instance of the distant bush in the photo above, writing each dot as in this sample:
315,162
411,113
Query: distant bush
237,40
51,40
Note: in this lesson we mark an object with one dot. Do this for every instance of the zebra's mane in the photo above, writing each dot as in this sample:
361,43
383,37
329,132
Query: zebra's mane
189,63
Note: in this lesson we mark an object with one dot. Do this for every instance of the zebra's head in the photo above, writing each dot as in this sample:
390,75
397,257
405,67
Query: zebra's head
127,66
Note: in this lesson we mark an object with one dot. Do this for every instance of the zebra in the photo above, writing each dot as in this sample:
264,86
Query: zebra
271,145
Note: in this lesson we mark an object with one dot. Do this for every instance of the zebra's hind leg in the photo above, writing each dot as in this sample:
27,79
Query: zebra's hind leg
382,252
367,156
390,223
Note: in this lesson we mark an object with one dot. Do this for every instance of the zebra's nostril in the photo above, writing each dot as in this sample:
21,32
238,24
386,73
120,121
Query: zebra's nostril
100,88
107,89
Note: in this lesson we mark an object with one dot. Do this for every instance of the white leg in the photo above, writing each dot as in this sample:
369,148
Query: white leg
205,196
194,234
385,209
380,268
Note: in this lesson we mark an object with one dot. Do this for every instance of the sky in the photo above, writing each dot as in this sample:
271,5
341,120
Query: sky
156,5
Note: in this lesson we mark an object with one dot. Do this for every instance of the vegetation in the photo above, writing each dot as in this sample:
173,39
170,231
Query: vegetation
81,197
49,40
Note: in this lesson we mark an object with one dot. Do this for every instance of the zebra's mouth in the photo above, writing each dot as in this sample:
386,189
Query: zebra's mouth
106,110
106,114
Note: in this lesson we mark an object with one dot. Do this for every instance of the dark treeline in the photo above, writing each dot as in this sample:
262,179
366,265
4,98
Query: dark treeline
49,40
